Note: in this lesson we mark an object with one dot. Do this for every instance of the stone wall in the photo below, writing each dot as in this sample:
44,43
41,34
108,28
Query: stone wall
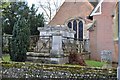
36,70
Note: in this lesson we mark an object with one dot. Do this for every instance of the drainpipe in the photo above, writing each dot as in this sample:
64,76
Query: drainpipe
118,69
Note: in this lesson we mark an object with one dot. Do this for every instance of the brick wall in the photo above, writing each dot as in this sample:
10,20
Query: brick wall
102,36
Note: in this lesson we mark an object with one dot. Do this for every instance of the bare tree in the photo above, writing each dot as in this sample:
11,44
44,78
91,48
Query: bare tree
50,7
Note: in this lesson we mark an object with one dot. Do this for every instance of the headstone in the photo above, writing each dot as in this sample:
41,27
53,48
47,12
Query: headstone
106,56
86,45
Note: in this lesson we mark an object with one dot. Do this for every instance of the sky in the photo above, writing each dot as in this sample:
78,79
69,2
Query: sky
30,2
36,2
40,10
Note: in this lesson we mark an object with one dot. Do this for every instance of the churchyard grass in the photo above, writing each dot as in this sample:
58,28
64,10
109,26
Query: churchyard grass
6,57
90,63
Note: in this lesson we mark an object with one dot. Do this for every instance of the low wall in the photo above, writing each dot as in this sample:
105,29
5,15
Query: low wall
36,70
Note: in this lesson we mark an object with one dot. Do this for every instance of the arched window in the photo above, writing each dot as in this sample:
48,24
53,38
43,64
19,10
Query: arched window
70,25
75,28
80,30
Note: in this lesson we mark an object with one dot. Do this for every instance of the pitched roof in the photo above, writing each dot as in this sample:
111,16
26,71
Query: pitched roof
71,10
94,2
98,6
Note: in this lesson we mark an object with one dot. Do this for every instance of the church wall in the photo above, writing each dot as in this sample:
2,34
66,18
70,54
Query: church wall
104,32
93,44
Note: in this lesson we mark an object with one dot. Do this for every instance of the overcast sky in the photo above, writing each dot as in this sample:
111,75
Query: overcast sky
36,1
40,10
30,2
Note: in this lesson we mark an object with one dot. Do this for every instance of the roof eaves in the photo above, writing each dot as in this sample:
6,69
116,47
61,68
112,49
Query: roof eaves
95,9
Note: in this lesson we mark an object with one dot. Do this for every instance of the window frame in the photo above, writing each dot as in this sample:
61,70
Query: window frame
78,20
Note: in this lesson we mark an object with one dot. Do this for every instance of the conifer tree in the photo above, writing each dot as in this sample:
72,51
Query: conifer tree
20,40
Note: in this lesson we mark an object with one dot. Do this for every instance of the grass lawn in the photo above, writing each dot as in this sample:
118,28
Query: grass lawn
93,63
6,57
90,63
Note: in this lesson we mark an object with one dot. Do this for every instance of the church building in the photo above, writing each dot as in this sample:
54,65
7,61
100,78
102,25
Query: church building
94,21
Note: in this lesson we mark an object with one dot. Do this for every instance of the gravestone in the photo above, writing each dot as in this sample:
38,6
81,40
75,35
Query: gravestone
106,56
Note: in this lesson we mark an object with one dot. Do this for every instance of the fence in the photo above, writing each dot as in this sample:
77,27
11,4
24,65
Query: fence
42,44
